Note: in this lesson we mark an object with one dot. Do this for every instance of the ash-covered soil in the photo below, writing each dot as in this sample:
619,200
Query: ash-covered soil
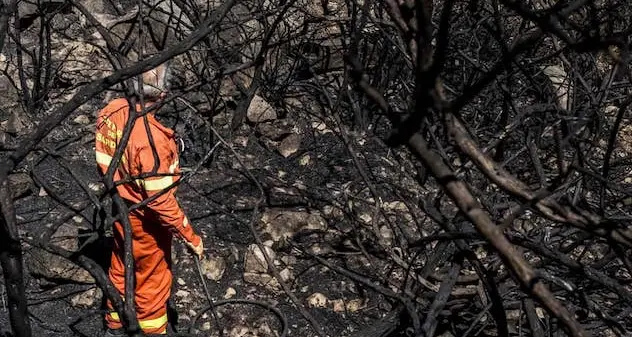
313,197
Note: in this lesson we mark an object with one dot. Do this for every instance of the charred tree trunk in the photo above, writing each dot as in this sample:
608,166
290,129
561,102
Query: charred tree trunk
11,261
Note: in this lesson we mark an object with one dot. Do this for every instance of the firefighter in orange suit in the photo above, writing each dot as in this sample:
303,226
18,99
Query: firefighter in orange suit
154,225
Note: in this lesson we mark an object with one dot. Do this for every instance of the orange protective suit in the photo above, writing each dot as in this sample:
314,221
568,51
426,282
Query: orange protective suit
152,226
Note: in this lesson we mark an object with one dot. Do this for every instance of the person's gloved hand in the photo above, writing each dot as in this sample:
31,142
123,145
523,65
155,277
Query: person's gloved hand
197,250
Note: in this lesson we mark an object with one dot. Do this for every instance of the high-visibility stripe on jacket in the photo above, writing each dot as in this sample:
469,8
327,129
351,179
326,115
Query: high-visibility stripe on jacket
146,167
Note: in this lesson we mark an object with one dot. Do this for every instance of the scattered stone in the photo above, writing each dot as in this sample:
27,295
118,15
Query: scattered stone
256,266
386,234
611,110
561,84
260,110
395,206
317,300
230,292
260,279
206,326
42,192
338,305
66,237
281,224
55,268
182,293
366,217
21,184
181,281
241,140
254,261
81,119
355,305
17,122
87,298
289,145
321,128
286,274
289,260
265,330
240,331
213,267
304,161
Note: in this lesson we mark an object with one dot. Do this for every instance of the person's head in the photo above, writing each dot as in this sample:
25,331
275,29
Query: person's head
154,82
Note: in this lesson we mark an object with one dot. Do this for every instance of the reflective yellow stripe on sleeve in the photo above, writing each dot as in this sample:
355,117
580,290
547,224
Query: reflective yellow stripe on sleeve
105,159
146,323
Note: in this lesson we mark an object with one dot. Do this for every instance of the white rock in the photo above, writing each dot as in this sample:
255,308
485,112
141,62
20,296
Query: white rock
304,160
289,145
395,206
561,84
280,224
286,274
317,300
87,298
366,217
321,127
182,293
240,331
81,119
355,305
255,261
213,267
230,292
260,110
241,140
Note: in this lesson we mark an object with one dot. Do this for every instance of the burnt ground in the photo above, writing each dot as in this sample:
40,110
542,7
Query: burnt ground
365,212
319,179
220,200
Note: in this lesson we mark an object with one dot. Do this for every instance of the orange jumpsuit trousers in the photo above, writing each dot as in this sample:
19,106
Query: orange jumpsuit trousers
152,256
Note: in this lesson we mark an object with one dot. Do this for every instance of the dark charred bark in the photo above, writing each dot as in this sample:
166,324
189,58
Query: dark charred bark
11,261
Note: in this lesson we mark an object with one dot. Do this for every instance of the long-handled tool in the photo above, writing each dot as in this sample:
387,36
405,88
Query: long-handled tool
208,294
